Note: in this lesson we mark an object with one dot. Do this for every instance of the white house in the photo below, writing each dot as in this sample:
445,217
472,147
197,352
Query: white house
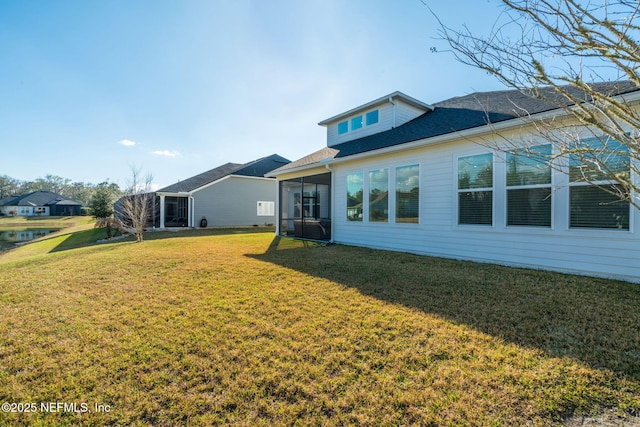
432,179
230,195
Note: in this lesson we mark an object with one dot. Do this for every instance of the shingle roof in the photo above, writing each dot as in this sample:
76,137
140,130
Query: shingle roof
474,110
255,168
464,112
315,157
38,198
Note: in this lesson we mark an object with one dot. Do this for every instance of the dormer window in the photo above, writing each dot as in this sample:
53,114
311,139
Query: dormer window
372,117
358,122
343,127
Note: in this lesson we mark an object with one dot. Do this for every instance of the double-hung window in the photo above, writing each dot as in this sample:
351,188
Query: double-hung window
529,186
475,189
596,199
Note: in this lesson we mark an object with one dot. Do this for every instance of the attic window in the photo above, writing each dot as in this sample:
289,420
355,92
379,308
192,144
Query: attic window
358,122
372,117
343,127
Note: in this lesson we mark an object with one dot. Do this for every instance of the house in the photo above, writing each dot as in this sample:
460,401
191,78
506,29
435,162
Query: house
40,203
230,195
432,179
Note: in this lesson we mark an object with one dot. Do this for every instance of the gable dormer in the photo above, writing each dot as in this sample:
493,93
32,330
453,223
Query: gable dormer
373,117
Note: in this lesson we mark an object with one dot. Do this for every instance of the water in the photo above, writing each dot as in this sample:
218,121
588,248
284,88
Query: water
9,238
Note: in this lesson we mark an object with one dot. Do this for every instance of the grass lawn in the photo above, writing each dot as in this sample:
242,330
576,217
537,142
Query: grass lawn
216,328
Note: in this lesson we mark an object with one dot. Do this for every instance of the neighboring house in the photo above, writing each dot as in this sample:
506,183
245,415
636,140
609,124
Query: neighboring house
230,195
403,175
40,203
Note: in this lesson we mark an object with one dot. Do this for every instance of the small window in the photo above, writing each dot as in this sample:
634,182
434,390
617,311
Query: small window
372,117
356,123
343,127
475,189
355,190
266,208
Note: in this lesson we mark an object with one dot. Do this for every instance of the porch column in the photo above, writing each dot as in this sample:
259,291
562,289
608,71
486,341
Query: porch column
162,211
192,212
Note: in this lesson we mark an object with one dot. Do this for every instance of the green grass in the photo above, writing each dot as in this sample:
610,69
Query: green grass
236,327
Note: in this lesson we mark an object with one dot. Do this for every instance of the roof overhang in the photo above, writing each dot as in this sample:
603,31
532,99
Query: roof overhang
382,100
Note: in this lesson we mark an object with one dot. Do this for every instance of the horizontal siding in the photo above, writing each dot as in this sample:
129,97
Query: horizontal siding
406,112
233,202
385,122
606,253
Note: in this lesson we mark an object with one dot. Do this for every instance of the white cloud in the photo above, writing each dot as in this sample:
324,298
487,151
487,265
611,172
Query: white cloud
127,143
166,153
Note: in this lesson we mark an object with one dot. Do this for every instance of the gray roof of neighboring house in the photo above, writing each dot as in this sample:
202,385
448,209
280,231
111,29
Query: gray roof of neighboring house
464,112
38,198
256,168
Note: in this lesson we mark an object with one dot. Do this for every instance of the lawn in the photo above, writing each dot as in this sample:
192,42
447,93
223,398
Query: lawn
238,327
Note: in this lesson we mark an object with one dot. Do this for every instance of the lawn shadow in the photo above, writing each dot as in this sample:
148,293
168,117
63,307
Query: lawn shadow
595,321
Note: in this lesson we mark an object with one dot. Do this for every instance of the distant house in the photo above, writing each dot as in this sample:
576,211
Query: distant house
40,203
403,175
230,195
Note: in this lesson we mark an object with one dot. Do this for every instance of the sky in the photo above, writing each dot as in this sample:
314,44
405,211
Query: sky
91,89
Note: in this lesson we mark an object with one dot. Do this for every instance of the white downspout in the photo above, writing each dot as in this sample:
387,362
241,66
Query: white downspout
393,122
192,211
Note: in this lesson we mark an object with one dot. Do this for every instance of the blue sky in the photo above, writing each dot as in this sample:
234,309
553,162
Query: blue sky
90,88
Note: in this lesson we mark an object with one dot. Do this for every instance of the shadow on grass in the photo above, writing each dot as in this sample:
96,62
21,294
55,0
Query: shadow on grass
595,321
98,236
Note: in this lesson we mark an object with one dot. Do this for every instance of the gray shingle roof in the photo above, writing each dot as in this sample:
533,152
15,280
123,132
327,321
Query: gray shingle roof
474,110
257,167
38,198
461,113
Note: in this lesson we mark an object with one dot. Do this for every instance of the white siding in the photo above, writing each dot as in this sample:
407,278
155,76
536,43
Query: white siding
606,253
388,119
233,201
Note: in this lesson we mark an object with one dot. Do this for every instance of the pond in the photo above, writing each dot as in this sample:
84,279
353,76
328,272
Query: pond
9,237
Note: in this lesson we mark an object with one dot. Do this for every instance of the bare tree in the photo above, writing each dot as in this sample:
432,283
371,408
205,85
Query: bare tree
136,207
557,51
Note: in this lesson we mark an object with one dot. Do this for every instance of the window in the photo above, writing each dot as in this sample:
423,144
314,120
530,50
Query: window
355,191
379,195
529,186
372,117
475,189
356,123
266,208
596,201
407,193
343,127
